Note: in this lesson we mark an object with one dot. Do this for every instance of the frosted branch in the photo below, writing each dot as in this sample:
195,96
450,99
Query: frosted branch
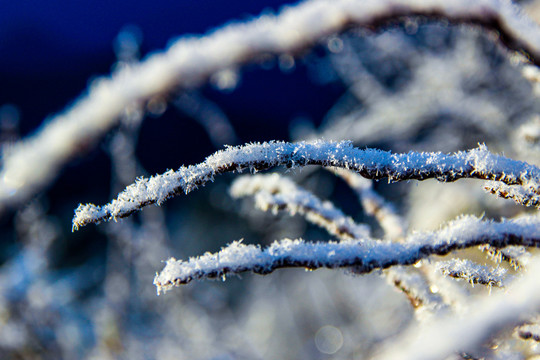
394,226
521,195
472,272
365,255
484,318
274,192
373,164
32,163
516,256
417,289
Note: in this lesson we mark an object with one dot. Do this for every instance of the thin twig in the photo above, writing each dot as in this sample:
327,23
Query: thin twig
275,192
472,272
373,164
364,255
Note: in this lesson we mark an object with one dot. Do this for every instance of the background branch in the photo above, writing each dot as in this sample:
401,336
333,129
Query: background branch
32,163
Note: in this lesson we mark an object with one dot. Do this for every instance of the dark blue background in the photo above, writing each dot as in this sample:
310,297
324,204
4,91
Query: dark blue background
50,50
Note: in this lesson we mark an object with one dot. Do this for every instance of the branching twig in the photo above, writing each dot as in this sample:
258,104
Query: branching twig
279,193
373,164
394,226
364,255
472,272
521,195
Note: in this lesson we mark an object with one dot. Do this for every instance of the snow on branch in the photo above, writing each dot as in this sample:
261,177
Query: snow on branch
33,162
472,272
483,318
516,256
276,192
364,254
370,163
394,226
521,195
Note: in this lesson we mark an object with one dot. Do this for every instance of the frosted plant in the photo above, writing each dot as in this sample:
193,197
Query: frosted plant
473,273
361,253
373,164
449,92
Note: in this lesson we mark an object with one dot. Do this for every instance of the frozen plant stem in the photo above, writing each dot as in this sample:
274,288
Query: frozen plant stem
521,195
275,192
374,205
370,163
365,255
472,272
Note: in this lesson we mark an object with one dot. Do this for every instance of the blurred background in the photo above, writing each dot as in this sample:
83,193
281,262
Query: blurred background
417,85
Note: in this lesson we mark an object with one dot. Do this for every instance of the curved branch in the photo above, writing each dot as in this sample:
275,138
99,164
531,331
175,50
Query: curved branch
394,226
372,164
472,272
365,255
32,163
275,192
521,195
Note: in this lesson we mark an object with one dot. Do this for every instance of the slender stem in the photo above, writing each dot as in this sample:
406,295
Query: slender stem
372,164
363,255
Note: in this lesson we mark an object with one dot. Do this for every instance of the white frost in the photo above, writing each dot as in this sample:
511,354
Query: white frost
370,162
274,192
365,254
